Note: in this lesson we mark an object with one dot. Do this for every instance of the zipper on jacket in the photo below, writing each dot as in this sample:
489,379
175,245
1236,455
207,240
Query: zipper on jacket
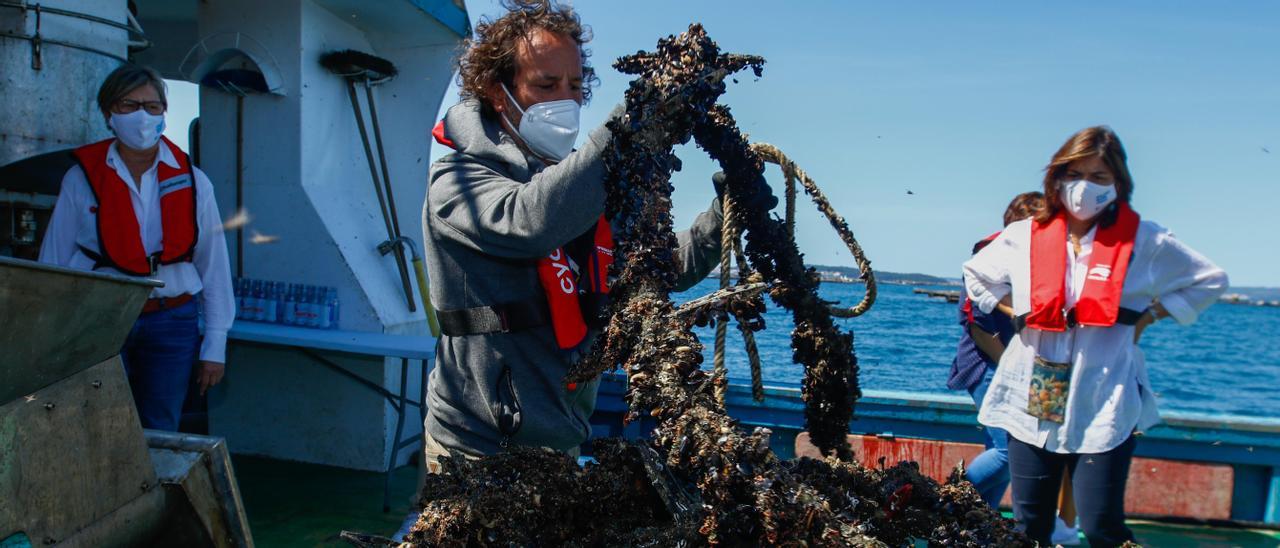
506,407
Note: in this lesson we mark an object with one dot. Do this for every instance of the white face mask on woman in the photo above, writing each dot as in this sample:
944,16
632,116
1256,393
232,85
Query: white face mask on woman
1085,199
550,128
138,130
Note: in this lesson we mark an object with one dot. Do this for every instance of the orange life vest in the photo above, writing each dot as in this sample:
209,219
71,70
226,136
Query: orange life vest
1099,302
119,233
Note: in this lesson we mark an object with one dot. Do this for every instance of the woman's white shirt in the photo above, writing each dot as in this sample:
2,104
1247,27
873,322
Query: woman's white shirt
74,225
1110,396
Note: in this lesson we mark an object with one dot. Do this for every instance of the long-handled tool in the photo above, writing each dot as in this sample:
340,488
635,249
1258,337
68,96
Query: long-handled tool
389,246
355,66
239,83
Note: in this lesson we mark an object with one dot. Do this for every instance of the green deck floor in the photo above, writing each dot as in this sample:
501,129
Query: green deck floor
293,504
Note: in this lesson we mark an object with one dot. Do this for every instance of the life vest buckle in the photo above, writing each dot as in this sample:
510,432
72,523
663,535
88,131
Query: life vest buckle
153,261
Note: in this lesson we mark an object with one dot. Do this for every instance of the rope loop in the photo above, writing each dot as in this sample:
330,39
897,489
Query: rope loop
771,154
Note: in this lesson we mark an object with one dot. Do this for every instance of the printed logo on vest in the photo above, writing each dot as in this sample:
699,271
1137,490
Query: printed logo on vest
563,272
1100,273
174,184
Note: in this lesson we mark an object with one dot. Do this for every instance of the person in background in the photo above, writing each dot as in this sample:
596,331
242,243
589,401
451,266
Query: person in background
135,205
1082,280
982,341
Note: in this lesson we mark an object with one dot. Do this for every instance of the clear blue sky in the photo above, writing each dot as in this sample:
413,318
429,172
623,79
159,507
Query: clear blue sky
964,103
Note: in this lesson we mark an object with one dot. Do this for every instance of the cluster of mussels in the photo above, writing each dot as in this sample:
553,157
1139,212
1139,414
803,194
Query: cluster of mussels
701,479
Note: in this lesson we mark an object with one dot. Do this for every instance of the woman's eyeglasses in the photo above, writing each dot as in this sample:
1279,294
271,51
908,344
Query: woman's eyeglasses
126,106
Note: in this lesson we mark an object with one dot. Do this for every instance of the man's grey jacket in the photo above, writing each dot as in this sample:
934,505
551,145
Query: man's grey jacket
491,212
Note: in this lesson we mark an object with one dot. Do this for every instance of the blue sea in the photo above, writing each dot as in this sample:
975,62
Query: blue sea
1227,362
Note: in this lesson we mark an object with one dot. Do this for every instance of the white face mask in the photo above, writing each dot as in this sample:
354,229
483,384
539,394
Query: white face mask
137,130
550,128
1086,199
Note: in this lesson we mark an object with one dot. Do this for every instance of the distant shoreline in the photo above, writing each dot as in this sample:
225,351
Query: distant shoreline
1250,296
1244,299
851,275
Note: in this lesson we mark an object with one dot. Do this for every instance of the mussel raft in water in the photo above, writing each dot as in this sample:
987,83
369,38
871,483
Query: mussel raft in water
735,490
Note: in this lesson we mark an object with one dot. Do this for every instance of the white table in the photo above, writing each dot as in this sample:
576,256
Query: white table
311,341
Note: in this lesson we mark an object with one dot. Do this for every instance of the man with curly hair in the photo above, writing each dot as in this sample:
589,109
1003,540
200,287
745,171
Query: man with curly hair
519,250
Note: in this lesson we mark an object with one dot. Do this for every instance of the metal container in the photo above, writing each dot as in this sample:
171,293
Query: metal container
58,321
75,466
53,58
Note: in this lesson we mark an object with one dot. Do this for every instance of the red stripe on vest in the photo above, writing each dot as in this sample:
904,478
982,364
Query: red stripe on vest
438,133
1099,302
968,304
119,236
602,256
559,283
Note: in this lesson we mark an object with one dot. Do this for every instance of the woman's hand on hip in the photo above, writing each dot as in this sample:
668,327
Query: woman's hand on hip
209,374
1006,306
1153,313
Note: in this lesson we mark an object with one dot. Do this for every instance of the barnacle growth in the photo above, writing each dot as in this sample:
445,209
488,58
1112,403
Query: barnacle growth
701,479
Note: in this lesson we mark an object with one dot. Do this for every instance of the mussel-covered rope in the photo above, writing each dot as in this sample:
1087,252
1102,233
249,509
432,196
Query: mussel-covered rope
791,200
753,356
731,247
771,154
728,234
747,276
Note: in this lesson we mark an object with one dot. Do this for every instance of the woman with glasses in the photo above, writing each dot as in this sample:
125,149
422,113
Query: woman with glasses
135,205
1082,279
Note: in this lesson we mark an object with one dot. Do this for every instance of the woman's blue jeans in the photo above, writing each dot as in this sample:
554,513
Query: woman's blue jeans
1098,481
159,355
989,472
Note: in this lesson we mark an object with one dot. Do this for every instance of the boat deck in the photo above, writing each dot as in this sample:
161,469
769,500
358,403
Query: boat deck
294,504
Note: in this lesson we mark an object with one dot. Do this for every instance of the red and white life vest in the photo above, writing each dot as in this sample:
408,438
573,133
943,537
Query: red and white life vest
119,233
1099,301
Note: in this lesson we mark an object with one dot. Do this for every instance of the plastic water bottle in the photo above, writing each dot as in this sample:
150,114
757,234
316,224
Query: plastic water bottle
253,301
306,306
263,288
334,308
269,302
279,288
238,293
246,307
291,305
316,305
324,308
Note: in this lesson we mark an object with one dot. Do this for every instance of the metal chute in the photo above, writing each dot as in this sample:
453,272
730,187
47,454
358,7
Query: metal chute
76,467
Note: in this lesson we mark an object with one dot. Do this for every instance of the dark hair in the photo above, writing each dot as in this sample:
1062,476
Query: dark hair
1023,205
126,78
1099,141
489,56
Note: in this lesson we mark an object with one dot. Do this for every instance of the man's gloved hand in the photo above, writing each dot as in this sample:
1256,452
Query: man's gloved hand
759,195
